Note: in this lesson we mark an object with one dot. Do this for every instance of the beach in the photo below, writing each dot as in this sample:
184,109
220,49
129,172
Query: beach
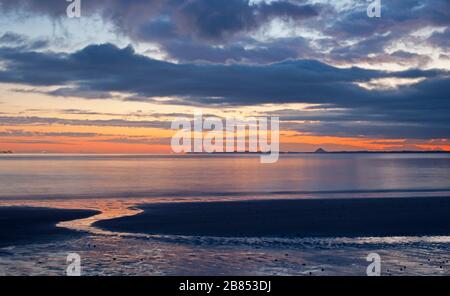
220,215
291,218
25,225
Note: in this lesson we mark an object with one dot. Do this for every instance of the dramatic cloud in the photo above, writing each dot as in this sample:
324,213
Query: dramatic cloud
106,68
223,31
204,19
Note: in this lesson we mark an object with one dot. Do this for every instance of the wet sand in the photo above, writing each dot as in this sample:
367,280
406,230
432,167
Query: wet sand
24,225
292,218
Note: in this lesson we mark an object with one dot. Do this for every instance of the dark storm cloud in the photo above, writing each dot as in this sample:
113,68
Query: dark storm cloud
423,107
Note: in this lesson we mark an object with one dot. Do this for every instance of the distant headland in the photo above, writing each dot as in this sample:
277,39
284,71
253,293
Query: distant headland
6,152
323,151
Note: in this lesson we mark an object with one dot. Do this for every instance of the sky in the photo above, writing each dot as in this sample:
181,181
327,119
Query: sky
112,80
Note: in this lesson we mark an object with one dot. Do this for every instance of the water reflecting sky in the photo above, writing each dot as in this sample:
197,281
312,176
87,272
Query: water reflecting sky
120,176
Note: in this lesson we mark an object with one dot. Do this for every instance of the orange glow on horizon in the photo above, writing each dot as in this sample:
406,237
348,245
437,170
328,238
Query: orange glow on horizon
158,142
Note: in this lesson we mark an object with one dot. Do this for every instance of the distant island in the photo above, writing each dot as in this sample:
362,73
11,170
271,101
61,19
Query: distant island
320,150
6,152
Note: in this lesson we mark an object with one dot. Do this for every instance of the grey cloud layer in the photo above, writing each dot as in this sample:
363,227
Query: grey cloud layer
106,68
35,120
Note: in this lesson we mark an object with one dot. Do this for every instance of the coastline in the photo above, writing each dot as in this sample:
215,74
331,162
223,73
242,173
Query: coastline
291,218
26,225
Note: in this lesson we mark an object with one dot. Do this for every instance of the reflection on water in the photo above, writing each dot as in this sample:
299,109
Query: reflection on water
75,176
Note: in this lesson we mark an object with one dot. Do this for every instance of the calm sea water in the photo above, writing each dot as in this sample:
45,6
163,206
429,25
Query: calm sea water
120,176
